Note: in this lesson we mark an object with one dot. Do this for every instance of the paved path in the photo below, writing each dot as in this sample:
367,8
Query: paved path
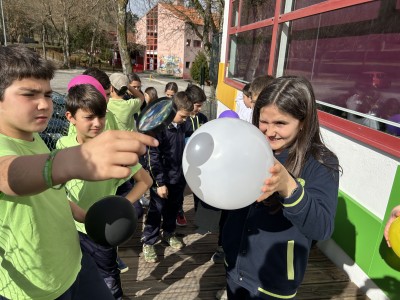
62,77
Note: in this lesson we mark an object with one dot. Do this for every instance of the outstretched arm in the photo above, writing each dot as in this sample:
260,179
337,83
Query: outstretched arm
107,156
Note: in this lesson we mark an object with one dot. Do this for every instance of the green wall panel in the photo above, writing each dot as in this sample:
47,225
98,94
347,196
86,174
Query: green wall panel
360,234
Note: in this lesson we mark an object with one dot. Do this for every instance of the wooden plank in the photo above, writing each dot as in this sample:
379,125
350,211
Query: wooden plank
190,274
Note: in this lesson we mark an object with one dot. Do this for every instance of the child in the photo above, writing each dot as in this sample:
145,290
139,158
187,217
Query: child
150,94
243,104
171,88
267,243
101,77
93,77
124,110
196,119
165,166
40,257
256,86
86,110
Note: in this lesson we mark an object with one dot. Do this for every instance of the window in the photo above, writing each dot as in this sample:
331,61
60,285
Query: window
188,42
187,64
351,56
197,43
350,53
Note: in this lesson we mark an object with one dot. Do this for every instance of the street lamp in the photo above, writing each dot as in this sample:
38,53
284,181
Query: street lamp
4,25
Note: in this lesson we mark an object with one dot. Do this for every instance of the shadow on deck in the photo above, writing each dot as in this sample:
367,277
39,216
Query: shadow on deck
190,274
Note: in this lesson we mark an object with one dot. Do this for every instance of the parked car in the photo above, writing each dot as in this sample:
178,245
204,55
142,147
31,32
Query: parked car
58,124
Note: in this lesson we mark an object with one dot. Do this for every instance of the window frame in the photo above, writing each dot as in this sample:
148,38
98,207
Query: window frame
374,138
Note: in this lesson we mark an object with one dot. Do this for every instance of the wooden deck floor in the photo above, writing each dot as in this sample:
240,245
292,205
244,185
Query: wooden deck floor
189,273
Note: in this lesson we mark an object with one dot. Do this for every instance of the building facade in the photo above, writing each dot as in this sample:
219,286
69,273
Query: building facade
350,52
170,44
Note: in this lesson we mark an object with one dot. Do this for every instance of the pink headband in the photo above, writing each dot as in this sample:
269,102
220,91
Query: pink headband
86,79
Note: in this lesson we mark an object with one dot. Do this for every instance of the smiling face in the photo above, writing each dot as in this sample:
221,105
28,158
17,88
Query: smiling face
281,129
26,108
87,124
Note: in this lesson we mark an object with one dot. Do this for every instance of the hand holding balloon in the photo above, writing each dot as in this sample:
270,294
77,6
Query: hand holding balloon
395,214
280,181
226,161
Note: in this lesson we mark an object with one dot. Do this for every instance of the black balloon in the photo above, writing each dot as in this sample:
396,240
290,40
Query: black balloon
111,221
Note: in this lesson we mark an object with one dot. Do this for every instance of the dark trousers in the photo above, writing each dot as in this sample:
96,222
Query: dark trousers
106,261
88,284
165,208
236,292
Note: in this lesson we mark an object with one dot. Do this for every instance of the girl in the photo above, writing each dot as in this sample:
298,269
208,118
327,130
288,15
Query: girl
150,94
267,244
171,88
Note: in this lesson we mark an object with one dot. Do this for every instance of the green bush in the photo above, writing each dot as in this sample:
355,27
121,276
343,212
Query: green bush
200,61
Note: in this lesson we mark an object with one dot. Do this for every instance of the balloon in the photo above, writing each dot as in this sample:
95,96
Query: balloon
229,114
111,221
394,236
86,79
226,162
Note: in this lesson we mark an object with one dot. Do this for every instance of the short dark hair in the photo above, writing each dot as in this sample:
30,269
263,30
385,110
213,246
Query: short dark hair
86,97
133,77
195,94
182,101
100,75
171,86
246,90
258,84
18,62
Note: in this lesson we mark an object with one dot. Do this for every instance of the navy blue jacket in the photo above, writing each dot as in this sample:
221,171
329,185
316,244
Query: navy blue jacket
267,244
165,161
193,123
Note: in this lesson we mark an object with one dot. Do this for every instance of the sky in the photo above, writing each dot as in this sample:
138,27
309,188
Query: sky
140,7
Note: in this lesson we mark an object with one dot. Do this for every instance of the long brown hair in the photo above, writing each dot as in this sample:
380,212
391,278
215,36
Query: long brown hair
294,96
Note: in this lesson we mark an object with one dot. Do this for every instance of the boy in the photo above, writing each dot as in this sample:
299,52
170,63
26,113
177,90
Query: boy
86,110
124,110
196,119
243,104
256,87
165,166
40,256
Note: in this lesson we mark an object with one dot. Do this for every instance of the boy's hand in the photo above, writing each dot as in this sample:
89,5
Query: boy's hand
109,155
162,191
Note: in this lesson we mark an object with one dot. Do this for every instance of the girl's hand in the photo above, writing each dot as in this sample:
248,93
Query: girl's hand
393,215
280,181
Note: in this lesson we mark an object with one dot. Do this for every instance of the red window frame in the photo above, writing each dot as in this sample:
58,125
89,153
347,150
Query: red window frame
374,138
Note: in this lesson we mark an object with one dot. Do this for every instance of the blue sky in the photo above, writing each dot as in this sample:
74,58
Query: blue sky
140,7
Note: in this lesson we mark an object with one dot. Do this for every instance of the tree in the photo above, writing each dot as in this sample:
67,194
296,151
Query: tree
122,35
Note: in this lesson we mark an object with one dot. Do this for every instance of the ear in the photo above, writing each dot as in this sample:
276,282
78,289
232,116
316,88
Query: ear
70,117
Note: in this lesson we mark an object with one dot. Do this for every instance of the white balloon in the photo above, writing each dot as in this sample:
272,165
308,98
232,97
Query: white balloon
226,161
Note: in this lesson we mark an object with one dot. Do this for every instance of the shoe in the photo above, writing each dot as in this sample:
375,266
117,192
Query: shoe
180,219
144,201
149,253
218,256
121,265
172,240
